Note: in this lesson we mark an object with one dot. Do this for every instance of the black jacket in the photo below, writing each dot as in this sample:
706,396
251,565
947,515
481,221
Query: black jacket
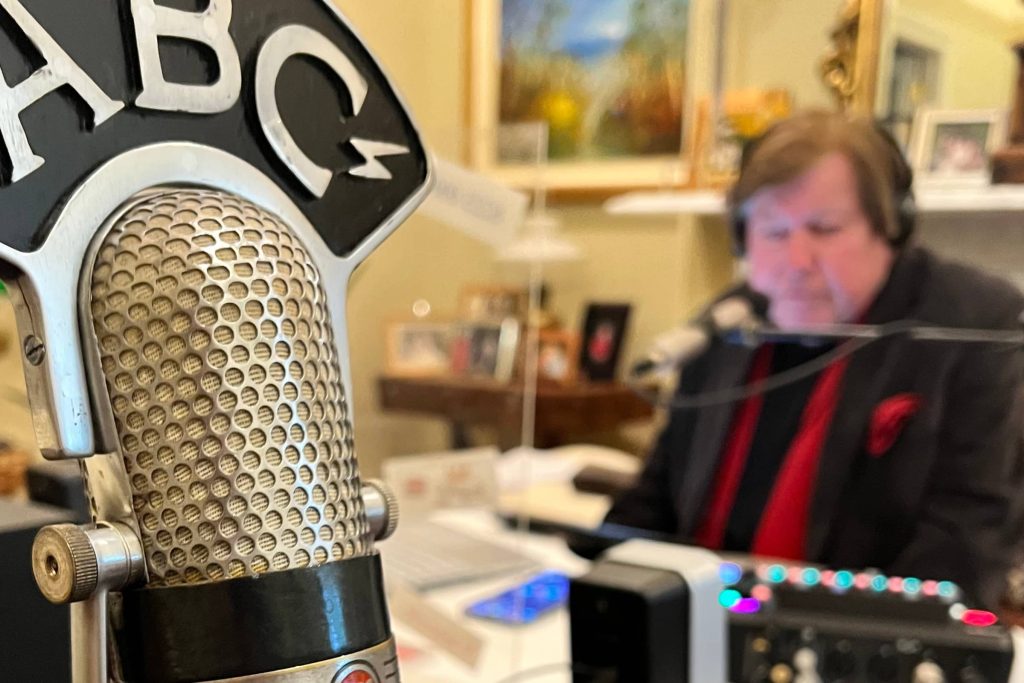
944,502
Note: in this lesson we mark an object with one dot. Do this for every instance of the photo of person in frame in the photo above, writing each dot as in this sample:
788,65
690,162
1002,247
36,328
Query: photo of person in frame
604,328
960,148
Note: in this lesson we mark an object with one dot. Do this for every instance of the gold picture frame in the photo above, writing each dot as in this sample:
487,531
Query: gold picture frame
599,169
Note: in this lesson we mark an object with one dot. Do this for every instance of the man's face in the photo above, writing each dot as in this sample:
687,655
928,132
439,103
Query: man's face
812,250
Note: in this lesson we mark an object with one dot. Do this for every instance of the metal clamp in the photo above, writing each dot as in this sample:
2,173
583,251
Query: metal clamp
381,508
80,565
73,563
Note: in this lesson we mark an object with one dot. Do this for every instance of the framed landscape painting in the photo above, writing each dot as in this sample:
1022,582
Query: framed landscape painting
601,91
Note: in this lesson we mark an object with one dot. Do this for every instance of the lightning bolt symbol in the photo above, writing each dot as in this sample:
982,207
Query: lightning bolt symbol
370,150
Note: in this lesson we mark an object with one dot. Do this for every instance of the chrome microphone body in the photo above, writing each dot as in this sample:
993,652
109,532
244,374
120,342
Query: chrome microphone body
207,330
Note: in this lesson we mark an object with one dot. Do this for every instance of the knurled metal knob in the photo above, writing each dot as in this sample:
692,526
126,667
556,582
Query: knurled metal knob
381,508
64,563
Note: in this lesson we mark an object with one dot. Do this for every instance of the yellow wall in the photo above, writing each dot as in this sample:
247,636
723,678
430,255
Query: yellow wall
779,44
664,266
978,69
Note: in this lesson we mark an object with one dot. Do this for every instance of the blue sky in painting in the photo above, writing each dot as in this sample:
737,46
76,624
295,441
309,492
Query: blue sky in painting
590,29
587,30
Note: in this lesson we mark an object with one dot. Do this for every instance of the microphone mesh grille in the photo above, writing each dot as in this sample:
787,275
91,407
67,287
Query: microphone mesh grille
218,354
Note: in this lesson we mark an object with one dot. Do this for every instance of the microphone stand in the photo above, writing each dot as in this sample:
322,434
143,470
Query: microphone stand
820,334
850,338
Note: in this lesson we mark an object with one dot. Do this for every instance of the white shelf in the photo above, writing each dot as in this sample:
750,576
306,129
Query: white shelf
935,198
931,198
698,202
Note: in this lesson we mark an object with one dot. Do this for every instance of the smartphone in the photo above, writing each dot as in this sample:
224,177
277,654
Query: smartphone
525,603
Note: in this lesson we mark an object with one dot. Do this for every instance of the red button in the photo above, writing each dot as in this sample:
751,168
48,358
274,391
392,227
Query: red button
359,676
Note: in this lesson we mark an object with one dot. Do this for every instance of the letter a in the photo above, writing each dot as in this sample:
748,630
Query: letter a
59,71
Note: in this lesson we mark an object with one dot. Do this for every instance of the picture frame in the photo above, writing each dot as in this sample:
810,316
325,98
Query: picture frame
485,349
418,348
604,330
558,353
613,92
493,303
956,146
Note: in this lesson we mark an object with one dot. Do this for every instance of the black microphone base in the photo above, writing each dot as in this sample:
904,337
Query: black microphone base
268,628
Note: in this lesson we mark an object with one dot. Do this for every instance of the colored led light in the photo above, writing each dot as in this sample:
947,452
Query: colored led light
811,576
729,598
912,586
930,588
730,573
776,573
947,589
895,584
746,606
957,611
762,593
978,617
795,574
862,581
879,583
828,577
843,580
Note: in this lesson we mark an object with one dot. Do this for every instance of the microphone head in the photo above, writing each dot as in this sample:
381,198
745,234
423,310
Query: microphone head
218,354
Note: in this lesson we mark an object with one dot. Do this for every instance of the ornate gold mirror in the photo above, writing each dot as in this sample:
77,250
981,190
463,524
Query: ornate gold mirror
889,58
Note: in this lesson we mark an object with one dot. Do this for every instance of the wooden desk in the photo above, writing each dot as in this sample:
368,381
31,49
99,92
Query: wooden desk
561,411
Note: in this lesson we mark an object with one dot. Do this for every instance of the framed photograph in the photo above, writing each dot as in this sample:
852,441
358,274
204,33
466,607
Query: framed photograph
609,83
956,145
558,353
486,350
493,303
419,349
604,328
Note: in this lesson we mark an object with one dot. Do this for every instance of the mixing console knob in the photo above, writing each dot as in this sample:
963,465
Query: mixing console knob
928,672
806,662
781,673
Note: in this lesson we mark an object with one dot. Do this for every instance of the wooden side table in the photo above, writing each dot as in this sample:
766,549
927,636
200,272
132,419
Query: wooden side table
562,411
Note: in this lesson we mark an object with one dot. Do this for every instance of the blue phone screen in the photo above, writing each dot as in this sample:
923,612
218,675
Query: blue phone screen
526,602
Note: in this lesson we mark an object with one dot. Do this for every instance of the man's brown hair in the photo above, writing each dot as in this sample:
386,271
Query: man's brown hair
792,146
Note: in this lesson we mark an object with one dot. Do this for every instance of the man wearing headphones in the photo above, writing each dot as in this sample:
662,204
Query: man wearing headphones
903,456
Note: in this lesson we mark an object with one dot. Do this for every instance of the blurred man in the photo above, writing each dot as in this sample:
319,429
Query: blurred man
903,456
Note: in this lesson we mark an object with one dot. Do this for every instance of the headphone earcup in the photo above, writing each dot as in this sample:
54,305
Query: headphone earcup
739,235
906,214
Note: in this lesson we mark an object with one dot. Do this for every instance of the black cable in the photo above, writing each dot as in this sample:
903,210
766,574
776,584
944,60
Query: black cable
1013,340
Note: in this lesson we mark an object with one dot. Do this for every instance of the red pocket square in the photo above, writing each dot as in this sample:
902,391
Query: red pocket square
888,420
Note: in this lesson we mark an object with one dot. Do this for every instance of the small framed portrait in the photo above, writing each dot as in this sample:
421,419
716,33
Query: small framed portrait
956,145
604,327
419,349
486,350
557,356
493,303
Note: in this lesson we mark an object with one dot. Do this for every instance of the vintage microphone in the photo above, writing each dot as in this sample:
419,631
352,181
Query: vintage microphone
178,265
215,346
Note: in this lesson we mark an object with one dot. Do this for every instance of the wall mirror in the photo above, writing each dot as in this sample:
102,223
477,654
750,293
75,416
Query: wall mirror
942,54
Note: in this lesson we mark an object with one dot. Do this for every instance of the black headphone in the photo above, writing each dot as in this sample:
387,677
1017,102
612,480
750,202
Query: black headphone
903,191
